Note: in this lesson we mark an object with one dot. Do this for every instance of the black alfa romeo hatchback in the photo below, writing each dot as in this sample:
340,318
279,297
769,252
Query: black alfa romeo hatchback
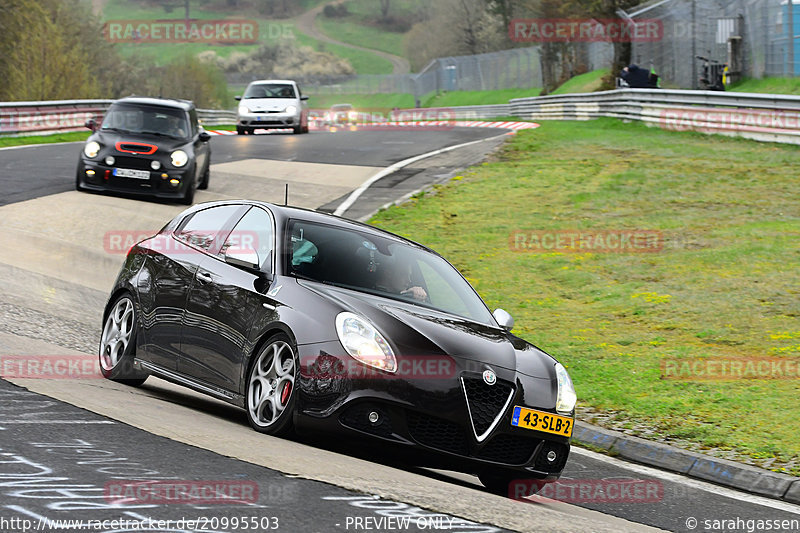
314,323
146,146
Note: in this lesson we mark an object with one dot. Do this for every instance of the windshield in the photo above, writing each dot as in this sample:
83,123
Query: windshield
270,90
381,266
152,120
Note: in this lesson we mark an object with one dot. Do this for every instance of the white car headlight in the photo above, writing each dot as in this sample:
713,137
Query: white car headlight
566,400
179,158
243,109
291,110
91,149
364,343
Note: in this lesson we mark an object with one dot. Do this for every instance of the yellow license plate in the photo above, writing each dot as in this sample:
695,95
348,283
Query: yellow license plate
547,422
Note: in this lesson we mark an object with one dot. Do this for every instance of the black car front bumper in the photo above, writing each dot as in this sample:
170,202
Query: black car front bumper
428,417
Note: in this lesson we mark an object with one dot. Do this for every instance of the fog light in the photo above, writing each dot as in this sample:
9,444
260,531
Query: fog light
374,417
164,176
110,160
551,456
90,172
155,165
174,182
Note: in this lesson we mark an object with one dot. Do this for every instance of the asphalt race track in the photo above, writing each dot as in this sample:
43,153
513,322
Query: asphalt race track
62,440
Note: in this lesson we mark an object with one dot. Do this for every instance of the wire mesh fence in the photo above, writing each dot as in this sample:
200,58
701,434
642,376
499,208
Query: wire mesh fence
751,37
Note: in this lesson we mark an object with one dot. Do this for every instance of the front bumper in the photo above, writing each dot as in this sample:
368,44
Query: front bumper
427,417
267,120
97,176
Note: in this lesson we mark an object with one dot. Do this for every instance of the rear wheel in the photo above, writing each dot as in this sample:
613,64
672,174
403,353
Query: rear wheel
118,344
270,388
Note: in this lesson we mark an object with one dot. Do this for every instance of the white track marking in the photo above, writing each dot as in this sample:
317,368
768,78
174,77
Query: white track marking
690,482
356,194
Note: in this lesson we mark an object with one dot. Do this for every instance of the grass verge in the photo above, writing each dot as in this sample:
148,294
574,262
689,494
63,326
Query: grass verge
45,139
459,98
583,83
767,85
725,284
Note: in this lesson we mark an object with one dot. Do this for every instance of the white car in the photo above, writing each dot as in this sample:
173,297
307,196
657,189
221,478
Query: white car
272,104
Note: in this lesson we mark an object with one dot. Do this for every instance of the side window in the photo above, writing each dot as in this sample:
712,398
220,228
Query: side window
205,228
254,231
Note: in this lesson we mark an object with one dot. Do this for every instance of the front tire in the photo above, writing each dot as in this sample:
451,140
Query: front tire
509,484
118,344
271,388
188,196
206,176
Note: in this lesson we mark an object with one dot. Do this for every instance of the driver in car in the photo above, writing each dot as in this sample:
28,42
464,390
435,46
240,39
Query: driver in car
395,277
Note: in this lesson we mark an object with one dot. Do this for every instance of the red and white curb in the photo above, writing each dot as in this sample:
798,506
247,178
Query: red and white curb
438,124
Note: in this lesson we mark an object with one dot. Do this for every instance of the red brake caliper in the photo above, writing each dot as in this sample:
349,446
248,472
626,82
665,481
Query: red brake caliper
287,390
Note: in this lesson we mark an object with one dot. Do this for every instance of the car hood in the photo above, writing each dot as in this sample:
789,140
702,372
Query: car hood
269,104
415,330
111,138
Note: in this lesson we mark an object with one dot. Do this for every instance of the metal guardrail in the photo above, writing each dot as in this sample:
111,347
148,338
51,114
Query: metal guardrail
59,116
762,117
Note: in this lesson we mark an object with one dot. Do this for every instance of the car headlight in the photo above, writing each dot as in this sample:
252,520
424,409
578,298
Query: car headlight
566,399
179,158
291,110
243,109
364,343
91,149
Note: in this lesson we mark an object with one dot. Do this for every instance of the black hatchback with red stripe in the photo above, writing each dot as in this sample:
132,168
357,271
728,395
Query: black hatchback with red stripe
146,146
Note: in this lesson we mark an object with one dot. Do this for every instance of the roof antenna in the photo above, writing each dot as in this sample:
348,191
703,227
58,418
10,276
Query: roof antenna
286,196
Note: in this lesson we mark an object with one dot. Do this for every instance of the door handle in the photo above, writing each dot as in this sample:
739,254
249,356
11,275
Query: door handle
205,277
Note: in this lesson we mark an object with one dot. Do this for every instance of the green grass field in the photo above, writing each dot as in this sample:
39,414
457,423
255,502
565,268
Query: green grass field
583,83
725,284
459,98
367,102
361,35
767,85
45,139
363,62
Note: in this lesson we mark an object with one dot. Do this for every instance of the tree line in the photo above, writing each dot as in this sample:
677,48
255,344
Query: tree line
55,50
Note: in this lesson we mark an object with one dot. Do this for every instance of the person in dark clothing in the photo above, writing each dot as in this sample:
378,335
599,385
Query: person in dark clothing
636,77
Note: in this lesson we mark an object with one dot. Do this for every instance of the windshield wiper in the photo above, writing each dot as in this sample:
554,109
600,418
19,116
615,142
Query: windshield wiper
159,134
118,130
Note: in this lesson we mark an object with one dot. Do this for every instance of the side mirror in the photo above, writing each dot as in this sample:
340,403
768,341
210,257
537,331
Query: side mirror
242,257
205,136
505,320
237,98
304,97
91,124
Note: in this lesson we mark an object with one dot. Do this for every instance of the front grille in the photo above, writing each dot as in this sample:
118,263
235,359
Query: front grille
562,452
136,163
356,417
485,402
437,433
509,449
